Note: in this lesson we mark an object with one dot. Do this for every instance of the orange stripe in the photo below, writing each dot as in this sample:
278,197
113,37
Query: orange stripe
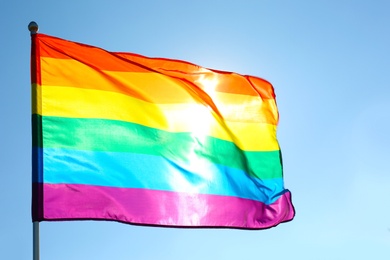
150,86
228,82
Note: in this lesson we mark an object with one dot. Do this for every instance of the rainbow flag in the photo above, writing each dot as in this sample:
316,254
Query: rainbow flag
152,141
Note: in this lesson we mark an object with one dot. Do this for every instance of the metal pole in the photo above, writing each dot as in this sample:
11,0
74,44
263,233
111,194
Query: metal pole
35,240
33,28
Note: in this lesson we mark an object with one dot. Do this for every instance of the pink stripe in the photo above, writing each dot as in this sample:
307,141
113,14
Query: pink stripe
163,208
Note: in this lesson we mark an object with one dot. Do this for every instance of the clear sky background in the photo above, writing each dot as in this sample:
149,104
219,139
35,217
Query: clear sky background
329,61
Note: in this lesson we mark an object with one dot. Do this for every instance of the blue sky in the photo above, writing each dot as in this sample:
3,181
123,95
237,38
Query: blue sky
329,62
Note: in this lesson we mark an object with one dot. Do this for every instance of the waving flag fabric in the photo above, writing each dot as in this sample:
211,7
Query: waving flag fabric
152,141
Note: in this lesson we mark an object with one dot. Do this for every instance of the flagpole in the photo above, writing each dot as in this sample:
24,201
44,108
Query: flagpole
35,240
33,28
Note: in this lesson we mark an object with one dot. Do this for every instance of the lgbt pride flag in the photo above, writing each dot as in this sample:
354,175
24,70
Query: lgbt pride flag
152,141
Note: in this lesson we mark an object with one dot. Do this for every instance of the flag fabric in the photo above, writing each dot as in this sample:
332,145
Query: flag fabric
152,141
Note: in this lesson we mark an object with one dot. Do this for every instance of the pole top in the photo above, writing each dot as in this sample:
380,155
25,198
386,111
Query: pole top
33,27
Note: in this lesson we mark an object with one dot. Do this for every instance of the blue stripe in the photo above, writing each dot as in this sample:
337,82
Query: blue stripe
129,170
37,165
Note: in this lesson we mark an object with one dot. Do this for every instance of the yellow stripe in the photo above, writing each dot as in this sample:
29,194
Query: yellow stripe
193,117
232,107
244,108
36,99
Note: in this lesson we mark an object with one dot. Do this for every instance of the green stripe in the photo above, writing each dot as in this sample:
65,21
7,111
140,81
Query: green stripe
119,136
36,126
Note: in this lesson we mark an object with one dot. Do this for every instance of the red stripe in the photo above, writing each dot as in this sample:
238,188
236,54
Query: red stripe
152,207
35,64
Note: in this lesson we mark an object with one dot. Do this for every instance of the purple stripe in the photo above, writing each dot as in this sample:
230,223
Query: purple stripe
163,208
